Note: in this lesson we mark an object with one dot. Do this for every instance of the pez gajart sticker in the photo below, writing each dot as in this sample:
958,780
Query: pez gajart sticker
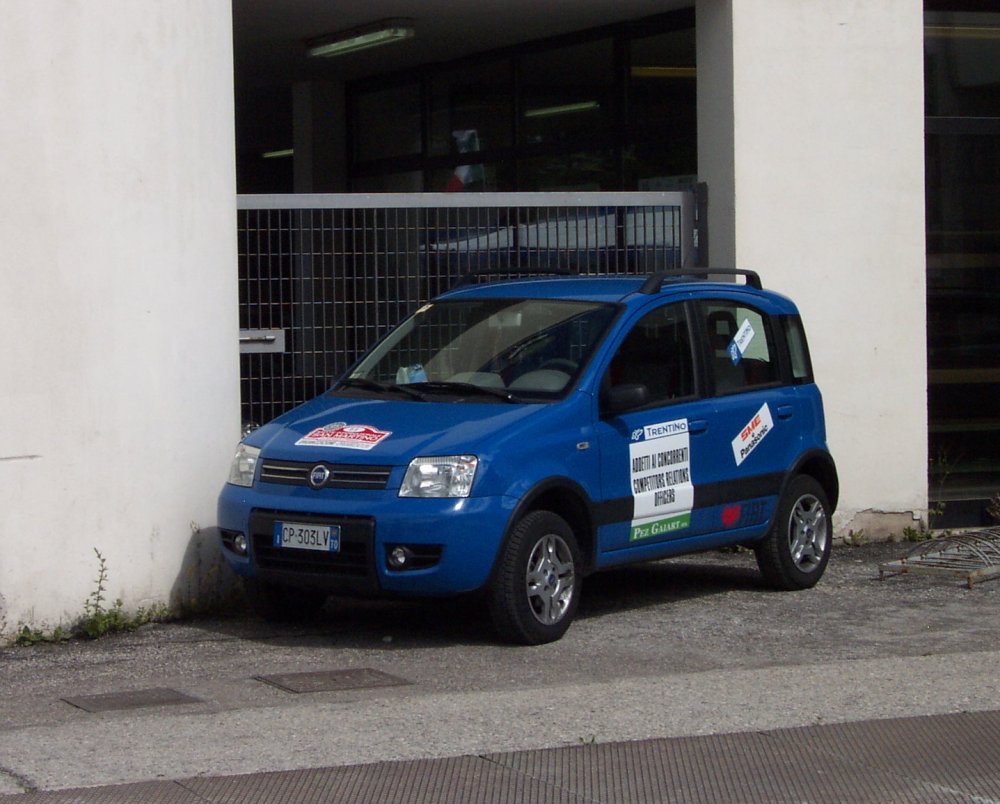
752,434
344,436
660,475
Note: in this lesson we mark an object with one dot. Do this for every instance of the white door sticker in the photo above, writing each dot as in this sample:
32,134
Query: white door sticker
752,434
660,476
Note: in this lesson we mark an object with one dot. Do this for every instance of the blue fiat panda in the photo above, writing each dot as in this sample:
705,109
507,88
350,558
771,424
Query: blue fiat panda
514,437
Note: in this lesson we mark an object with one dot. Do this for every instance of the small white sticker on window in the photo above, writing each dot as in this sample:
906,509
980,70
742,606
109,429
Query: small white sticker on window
741,340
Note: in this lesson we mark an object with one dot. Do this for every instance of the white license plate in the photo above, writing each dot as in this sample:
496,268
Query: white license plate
302,536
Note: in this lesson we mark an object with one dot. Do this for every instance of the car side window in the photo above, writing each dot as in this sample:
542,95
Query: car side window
798,351
656,354
742,352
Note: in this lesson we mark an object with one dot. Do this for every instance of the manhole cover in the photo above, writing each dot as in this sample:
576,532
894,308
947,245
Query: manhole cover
332,680
133,699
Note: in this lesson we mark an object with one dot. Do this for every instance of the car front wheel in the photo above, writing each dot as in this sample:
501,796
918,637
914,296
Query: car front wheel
537,586
796,550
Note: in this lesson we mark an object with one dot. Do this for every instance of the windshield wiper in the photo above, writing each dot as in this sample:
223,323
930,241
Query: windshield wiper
467,387
383,388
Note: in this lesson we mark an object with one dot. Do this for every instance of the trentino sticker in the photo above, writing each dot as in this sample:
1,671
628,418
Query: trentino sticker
660,476
344,436
741,340
752,434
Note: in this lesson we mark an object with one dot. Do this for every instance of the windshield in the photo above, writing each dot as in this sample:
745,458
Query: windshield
521,348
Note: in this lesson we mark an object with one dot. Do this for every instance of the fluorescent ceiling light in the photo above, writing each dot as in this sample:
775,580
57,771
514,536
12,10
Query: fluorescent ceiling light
278,154
378,33
663,72
565,108
962,31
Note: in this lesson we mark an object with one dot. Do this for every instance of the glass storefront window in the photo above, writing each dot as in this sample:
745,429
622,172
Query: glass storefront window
568,93
962,85
581,170
663,111
408,182
471,109
962,69
477,177
387,123
609,110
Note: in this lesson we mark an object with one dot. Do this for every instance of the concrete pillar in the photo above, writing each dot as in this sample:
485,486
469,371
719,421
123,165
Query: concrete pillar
810,137
119,376
320,136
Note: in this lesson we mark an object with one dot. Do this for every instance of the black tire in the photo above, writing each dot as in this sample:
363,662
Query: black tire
535,591
796,550
283,604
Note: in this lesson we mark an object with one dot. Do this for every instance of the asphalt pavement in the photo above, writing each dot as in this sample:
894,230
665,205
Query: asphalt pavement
683,680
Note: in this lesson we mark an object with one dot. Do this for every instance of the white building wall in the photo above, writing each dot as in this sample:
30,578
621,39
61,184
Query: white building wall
119,376
811,142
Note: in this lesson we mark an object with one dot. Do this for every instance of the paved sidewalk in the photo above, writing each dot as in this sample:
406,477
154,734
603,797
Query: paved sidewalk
934,758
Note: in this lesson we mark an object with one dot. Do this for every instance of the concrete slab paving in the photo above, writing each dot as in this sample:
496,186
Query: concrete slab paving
664,660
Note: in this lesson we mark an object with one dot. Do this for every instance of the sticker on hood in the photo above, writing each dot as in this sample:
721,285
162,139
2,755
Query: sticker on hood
344,436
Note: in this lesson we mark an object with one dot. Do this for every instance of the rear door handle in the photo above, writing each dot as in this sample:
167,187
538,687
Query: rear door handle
697,426
785,411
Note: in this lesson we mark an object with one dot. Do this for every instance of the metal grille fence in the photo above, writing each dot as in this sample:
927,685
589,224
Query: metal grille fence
321,277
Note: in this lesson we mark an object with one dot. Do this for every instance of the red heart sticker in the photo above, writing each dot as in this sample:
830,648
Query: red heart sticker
730,515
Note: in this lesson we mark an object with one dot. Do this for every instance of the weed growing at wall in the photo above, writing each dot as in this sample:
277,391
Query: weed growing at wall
98,618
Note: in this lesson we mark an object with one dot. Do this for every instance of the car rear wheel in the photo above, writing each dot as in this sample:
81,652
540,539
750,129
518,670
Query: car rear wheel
796,550
537,586
277,603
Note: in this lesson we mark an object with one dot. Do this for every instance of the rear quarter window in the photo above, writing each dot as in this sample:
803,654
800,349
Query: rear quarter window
741,346
798,350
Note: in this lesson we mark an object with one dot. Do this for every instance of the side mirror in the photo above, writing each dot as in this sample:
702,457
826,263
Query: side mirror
625,397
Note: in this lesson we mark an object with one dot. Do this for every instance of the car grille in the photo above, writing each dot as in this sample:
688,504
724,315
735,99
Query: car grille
355,559
342,475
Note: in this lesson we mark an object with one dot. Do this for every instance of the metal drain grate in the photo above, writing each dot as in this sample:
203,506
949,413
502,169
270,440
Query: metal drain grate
332,680
133,699
972,556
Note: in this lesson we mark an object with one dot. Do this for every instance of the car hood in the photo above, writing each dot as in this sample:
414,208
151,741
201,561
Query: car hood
388,431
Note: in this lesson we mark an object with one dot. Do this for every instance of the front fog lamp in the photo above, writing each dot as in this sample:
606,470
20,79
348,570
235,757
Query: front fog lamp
244,466
450,476
399,557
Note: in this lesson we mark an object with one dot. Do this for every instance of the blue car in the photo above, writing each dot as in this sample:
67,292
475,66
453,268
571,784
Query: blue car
514,437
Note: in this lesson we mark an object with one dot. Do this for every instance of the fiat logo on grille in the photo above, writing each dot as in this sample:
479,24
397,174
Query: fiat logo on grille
318,476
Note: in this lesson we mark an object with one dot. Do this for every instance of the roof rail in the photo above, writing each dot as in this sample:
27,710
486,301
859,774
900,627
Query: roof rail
513,270
655,281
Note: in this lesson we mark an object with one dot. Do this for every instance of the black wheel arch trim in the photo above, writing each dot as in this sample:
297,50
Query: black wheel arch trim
819,465
573,497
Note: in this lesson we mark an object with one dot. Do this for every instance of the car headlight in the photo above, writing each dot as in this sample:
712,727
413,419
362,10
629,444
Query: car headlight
244,466
450,476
